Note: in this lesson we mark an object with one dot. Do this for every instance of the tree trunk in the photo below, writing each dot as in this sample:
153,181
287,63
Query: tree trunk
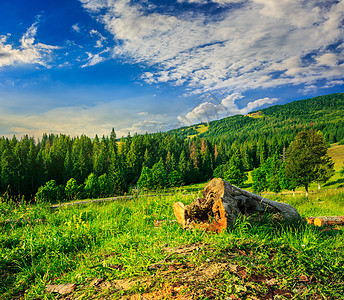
306,188
223,203
328,220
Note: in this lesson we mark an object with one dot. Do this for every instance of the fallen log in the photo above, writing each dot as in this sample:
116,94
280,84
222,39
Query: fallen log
22,221
326,220
223,203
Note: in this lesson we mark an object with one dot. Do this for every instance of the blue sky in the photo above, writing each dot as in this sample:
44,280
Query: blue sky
83,67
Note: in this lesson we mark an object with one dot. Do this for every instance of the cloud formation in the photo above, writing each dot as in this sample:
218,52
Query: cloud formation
212,109
29,52
82,119
251,44
100,39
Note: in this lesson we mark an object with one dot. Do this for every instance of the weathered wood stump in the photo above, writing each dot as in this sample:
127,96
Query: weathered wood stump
223,203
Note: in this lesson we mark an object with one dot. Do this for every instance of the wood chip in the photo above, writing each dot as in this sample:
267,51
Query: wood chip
105,285
233,268
303,278
62,289
96,281
183,249
272,281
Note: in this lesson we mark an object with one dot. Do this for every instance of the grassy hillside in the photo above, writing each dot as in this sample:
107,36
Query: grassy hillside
123,249
201,128
337,153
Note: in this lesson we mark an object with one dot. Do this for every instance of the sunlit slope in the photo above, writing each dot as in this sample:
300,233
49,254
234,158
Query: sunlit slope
337,154
325,113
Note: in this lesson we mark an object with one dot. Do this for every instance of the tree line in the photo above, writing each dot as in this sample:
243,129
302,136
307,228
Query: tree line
60,167
76,167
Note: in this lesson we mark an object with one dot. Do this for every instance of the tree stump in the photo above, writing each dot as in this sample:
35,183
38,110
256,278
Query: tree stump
223,203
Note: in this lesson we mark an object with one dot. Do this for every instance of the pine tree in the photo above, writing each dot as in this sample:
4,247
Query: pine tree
117,173
259,182
235,173
32,169
146,179
147,159
92,186
182,165
113,143
160,178
104,183
72,189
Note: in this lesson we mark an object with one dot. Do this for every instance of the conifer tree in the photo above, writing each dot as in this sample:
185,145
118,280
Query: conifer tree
147,159
113,143
182,165
91,186
159,175
146,179
235,173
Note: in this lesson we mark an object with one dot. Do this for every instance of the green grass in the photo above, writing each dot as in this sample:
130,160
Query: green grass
202,128
119,240
336,152
199,128
256,115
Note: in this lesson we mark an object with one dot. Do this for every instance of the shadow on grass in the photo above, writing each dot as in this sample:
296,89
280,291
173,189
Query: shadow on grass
340,183
247,185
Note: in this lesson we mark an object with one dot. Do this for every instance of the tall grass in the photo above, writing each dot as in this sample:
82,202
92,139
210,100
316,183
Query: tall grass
120,240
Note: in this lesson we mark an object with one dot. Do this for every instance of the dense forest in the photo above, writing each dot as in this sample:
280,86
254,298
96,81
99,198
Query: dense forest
61,167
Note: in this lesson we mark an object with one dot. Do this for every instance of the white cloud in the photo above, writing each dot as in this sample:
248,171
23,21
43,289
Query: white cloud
94,58
29,52
211,110
333,83
101,39
222,2
94,5
308,88
257,44
76,27
144,126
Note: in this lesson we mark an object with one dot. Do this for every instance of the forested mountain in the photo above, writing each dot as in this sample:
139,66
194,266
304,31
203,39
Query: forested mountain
71,167
325,113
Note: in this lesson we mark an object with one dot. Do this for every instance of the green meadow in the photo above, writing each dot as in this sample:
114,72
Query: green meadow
127,249
136,242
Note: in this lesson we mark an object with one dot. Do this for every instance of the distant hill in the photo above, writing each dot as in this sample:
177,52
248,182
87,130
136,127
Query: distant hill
325,113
